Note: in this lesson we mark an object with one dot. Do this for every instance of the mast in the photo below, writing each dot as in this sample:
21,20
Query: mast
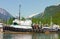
19,11
51,21
40,23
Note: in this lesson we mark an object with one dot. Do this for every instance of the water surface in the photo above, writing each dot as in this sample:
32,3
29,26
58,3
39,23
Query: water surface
1,35
32,36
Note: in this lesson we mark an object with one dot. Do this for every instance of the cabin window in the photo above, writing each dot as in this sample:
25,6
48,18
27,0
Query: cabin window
15,23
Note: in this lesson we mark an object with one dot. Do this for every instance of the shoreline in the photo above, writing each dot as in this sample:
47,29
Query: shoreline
10,32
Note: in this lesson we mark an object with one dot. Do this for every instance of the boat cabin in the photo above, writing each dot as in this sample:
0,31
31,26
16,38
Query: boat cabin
26,24
22,22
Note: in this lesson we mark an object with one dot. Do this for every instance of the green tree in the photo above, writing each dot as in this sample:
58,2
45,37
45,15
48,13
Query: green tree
23,18
10,21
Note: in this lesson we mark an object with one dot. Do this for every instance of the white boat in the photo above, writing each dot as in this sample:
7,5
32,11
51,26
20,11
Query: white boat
20,26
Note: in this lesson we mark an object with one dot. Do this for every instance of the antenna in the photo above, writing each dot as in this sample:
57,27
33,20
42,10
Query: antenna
19,10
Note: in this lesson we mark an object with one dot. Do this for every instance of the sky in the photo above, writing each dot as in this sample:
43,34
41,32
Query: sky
28,7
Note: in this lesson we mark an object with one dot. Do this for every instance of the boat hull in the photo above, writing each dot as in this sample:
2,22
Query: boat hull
16,29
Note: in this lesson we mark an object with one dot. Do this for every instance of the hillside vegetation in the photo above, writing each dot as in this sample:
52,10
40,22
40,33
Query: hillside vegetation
49,12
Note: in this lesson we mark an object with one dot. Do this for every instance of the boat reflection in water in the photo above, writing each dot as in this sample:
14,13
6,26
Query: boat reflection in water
31,36
17,36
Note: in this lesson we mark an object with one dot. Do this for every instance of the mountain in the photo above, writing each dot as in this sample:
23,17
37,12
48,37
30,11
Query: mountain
33,15
38,15
4,14
50,11
54,12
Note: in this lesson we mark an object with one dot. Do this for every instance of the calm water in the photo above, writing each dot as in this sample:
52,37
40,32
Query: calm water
32,36
1,35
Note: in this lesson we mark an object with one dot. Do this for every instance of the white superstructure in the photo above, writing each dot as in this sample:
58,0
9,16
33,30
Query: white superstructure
26,24
23,22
